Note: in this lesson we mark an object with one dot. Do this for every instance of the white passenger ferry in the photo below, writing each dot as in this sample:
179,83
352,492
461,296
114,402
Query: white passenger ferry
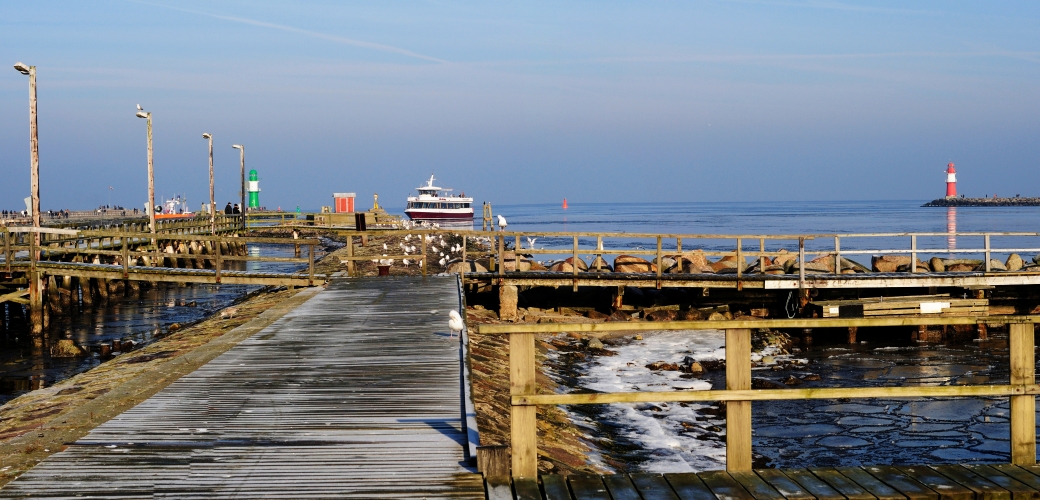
433,204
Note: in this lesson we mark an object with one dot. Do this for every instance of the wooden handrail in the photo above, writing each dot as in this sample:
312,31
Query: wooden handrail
1021,389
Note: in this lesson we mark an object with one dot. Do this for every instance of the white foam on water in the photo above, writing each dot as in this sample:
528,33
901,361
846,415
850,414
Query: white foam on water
658,428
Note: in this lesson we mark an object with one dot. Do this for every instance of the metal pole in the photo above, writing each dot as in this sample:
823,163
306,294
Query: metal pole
151,180
212,198
242,205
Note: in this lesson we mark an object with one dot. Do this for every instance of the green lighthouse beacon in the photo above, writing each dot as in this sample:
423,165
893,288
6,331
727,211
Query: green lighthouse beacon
254,190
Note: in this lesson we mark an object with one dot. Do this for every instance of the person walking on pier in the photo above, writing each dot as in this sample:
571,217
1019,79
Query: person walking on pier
227,209
236,210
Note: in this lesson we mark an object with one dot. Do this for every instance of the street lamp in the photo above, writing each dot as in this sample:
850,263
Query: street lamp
35,281
141,113
242,206
212,207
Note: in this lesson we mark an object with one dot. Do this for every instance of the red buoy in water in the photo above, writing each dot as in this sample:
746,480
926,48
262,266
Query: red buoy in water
565,203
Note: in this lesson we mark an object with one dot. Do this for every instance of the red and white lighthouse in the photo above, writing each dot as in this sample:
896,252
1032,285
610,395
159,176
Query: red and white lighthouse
951,181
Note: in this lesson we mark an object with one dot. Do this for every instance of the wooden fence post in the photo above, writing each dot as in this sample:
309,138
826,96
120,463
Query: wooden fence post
350,255
837,255
462,272
7,250
310,265
218,263
424,259
738,413
986,237
523,418
574,264
913,253
660,262
1023,408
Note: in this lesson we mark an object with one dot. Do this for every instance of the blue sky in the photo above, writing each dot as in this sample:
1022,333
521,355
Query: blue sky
525,101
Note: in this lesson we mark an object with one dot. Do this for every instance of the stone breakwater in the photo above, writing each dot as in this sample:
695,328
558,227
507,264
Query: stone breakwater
1017,201
696,262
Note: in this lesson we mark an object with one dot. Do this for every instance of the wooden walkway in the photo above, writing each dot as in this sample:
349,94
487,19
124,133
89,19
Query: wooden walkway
941,482
354,394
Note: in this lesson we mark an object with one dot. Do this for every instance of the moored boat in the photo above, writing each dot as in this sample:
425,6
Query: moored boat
433,204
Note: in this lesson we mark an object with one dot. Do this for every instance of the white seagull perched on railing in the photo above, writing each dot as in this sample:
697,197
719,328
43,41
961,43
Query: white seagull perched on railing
455,323
502,223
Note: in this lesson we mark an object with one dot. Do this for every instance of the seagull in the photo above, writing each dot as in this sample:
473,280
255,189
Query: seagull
442,261
455,323
139,108
502,223
405,261
530,242
384,246
435,250
407,237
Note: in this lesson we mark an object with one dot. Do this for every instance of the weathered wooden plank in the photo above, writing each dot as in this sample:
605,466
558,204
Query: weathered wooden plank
653,487
724,486
983,489
526,488
783,484
1021,344
331,401
906,485
868,482
756,486
620,487
946,488
588,488
1012,471
555,487
1019,490
814,485
688,486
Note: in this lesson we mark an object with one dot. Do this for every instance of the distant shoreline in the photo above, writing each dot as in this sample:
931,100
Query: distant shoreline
984,202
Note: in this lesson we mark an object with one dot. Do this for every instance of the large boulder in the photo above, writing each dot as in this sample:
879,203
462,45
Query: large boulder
896,263
668,262
470,266
1014,262
65,348
567,265
784,257
937,265
695,262
632,264
728,263
960,265
994,265
602,265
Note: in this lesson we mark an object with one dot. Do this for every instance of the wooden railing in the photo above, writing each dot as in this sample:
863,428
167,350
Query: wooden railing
128,246
1021,388
595,244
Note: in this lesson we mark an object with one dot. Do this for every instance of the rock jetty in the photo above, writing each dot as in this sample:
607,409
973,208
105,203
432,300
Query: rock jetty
1017,201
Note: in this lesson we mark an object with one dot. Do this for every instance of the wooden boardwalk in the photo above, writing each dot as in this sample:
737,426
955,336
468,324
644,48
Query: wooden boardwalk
941,482
354,394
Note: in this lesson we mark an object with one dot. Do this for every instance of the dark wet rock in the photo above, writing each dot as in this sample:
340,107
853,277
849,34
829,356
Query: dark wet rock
793,381
619,316
663,315
663,365
594,314
812,377
761,383
691,315
65,348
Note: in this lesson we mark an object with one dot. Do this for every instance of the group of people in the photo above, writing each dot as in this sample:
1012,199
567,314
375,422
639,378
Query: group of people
52,214
232,210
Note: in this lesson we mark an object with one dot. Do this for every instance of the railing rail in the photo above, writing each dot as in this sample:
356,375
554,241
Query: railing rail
1021,389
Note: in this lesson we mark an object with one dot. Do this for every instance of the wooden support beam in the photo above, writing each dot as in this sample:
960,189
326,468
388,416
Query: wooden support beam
1023,408
738,412
523,423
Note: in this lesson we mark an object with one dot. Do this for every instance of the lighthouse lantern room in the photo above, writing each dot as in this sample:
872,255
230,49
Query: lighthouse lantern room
951,181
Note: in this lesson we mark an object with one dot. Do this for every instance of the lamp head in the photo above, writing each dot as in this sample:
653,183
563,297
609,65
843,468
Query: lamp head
143,114
22,68
238,146
206,135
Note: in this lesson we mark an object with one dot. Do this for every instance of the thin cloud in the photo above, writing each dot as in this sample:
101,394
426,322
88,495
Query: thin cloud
314,34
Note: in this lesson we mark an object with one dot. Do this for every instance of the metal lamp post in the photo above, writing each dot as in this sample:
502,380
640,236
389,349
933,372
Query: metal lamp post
242,205
141,113
212,206
35,281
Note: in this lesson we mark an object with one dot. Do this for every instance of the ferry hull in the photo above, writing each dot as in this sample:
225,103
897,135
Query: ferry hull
427,215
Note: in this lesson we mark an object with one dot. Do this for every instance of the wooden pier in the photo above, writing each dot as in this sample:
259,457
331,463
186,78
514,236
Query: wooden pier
354,394
941,482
